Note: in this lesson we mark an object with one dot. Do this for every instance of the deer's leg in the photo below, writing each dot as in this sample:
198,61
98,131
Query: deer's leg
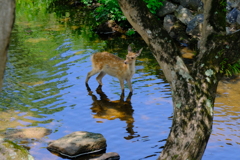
122,84
129,85
100,76
90,74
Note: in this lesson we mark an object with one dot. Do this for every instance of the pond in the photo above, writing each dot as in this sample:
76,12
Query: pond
44,86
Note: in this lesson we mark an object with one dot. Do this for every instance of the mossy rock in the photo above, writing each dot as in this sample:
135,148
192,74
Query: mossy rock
10,150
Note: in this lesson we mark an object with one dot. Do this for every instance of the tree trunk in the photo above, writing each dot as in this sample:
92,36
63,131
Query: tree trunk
7,14
193,92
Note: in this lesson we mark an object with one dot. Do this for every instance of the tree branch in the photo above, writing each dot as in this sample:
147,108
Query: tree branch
7,13
161,44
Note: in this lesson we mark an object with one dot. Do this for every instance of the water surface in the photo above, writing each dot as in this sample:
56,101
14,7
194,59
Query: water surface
49,58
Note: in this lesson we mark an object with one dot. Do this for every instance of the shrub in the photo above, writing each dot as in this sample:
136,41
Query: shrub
110,9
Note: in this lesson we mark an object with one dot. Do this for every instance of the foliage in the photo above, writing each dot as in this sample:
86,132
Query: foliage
37,42
130,32
110,9
229,69
153,5
224,4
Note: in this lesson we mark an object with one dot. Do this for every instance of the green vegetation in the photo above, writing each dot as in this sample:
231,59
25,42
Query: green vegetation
109,9
11,150
44,30
38,41
153,5
130,32
231,69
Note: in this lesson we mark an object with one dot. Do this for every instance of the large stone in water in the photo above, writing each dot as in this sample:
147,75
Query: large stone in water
78,143
10,150
108,156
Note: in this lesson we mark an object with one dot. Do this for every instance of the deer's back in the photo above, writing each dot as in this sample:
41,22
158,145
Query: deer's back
105,58
110,64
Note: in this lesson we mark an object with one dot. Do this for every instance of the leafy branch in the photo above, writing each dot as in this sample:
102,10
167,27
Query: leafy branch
109,9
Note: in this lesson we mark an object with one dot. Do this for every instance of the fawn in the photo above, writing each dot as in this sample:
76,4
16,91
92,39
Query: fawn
107,63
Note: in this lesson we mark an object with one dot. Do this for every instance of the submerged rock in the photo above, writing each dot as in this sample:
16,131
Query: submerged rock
26,134
108,156
12,151
78,143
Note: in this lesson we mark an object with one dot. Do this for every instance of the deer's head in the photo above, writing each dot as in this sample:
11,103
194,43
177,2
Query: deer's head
131,56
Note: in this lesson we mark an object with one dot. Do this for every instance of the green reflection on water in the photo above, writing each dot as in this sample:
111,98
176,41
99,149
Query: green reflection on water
47,33
35,75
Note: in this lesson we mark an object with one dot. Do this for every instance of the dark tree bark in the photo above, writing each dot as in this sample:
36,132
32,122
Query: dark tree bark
194,91
7,14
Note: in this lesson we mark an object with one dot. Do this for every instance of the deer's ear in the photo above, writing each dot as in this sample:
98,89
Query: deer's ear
129,48
139,52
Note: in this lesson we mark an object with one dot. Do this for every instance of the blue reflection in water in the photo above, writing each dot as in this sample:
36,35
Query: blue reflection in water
57,98
45,87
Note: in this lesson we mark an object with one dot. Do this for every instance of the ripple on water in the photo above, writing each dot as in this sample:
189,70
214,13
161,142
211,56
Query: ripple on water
225,138
45,86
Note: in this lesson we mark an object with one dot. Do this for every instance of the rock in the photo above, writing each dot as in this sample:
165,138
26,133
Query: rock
78,143
192,4
228,31
234,3
193,27
232,16
10,150
238,18
187,53
233,28
183,14
108,156
178,32
167,8
109,27
176,1
229,6
27,133
168,22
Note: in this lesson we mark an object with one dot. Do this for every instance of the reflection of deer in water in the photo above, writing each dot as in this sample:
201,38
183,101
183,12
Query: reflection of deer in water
107,109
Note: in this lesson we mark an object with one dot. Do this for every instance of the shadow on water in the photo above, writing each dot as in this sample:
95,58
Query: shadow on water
104,108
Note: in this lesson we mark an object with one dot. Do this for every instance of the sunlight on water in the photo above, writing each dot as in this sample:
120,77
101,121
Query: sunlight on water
49,58
45,87
225,138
